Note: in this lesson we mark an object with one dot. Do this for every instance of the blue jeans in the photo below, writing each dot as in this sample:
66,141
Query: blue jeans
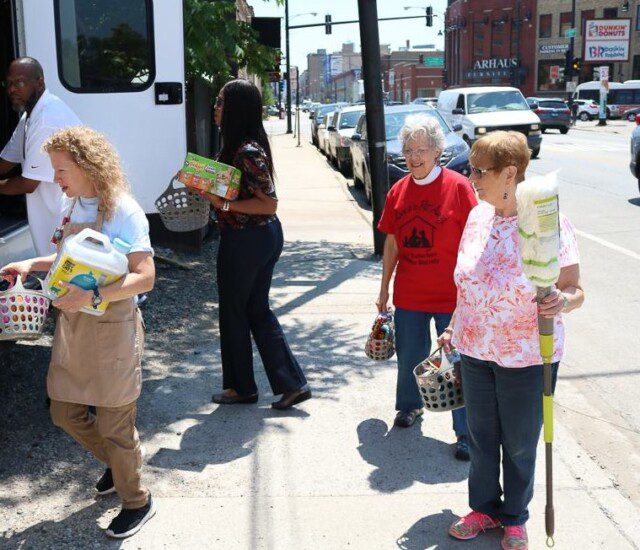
413,345
504,407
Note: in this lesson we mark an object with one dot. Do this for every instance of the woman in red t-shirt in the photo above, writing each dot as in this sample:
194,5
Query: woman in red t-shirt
424,216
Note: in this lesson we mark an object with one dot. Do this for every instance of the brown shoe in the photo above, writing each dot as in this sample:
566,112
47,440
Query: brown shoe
224,399
291,398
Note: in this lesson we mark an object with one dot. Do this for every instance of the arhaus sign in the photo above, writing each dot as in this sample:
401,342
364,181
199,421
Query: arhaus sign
505,63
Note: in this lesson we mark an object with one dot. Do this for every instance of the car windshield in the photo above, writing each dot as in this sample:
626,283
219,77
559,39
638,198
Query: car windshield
496,101
349,120
393,122
322,111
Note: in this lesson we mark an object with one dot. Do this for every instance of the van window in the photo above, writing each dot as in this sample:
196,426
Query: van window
496,101
460,104
105,45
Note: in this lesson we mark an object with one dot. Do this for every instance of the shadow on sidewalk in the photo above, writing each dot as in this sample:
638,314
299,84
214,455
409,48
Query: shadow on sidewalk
403,456
432,532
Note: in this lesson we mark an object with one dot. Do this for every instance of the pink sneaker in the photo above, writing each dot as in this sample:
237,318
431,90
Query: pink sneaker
515,538
469,526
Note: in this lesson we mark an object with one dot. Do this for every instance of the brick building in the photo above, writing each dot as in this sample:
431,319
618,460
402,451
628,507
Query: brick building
554,18
408,74
491,42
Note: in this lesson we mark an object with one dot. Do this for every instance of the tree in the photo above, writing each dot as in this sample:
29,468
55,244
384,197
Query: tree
216,43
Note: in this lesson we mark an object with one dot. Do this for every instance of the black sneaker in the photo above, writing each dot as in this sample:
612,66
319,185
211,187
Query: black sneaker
129,522
462,448
406,419
105,483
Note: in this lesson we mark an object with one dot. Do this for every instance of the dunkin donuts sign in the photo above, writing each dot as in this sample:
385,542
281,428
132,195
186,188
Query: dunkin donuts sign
607,40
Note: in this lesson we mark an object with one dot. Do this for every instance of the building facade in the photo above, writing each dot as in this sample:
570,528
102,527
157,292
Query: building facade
323,67
555,18
491,43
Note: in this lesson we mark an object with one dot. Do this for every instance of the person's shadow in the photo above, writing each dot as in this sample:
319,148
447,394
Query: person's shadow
224,435
432,532
403,456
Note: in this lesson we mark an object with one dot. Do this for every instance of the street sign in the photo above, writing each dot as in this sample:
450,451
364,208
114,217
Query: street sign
434,61
570,33
554,72
604,73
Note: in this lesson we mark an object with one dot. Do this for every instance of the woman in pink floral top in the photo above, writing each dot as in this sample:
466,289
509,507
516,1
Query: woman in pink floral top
495,330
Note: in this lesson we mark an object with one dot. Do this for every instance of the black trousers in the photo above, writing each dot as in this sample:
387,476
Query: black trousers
246,259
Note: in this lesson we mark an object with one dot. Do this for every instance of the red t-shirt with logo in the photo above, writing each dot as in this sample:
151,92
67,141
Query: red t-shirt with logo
427,222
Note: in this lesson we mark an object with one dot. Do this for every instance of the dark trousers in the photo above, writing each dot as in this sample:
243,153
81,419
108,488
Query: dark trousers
246,259
504,412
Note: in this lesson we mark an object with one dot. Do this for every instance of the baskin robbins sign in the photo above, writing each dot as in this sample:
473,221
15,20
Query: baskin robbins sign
606,40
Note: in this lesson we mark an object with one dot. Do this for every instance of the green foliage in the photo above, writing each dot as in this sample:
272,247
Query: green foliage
215,41
267,94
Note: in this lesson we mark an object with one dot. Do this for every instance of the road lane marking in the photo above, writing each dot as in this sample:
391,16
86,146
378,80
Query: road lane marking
612,246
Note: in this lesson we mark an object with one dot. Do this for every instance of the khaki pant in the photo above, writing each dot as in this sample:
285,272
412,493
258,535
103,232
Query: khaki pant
112,437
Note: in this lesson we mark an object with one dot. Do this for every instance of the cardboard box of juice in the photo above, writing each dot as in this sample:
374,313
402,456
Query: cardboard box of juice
210,176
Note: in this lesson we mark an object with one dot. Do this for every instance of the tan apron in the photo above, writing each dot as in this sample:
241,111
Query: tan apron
95,360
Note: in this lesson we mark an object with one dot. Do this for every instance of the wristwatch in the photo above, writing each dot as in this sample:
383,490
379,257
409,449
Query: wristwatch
565,301
96,299
225,206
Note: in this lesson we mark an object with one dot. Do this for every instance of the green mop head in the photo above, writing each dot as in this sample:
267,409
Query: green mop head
539,228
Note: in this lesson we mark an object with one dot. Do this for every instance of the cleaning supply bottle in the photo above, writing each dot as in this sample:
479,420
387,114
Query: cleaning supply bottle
88,260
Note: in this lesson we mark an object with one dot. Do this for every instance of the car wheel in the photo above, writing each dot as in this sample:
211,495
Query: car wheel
543,130
564,130
367,190
535,152
584,116
631,117
357,182
467,140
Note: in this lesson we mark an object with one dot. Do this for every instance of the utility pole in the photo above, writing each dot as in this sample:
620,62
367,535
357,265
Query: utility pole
371,70
288,77
569,77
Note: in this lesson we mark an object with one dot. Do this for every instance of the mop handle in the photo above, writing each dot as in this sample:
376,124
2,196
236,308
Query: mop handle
545,329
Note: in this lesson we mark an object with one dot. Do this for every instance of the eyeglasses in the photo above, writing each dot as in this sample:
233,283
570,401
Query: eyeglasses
219,101
479,171
18,84
416,153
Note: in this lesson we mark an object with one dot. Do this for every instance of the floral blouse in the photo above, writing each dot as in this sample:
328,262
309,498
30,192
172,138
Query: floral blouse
496,319
251,159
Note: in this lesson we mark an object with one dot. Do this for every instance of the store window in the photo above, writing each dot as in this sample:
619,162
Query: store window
638,17
551,75
478,39
515,40
610,13
586,15
498,33
105,45
565,22
636,67
546,22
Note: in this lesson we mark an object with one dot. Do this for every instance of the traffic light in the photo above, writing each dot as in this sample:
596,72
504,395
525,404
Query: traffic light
421,59
575,66
568,65
429,16
327,24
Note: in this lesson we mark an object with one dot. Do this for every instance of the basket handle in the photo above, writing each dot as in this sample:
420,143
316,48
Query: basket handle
18,285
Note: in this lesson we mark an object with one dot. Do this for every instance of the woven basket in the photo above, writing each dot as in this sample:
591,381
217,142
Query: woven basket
22,312
181,210
438,378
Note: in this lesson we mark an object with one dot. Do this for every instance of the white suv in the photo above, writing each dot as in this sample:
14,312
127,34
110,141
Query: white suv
588,109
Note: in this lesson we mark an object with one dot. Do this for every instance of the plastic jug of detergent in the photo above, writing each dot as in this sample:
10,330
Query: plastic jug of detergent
88,260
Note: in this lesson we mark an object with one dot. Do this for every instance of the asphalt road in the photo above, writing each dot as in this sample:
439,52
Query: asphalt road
597,396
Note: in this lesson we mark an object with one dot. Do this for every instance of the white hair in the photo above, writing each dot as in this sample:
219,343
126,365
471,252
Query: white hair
422,125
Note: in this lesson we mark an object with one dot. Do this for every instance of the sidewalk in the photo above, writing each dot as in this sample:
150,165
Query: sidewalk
331,474
617,126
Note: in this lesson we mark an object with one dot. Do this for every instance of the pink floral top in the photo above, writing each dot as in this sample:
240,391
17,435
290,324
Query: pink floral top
496,319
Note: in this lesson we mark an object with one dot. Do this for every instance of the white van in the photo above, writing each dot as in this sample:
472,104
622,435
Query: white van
119,64
482,109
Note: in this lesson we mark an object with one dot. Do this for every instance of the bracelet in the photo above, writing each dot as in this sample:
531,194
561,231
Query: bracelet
565,301
225,206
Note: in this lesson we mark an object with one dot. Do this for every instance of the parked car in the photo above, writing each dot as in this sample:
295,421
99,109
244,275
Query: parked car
553,113
318,119
483,109
634,165
322,132
431,101
272,110
455,155
588,109
338,137
630,114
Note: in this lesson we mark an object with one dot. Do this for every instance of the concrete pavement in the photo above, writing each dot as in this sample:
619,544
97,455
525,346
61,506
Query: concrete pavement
333,473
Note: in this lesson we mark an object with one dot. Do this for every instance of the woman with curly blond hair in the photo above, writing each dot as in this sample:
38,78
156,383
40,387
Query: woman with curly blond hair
95,360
